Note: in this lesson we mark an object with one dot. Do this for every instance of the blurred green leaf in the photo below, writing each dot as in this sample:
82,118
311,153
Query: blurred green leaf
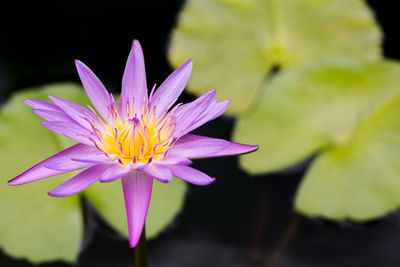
41,228
347,113
236,43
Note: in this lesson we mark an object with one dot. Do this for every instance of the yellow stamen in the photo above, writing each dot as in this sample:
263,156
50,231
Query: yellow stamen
136,140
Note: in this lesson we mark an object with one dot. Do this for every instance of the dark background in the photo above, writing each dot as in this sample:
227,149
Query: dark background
237,221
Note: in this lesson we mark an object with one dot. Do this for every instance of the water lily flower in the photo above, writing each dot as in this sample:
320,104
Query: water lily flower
139,140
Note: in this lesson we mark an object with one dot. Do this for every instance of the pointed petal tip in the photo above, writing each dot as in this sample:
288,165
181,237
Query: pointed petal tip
185,70
22,178
79,182
254,148
188,64
17,181
191,175
210,93
13,182
225,105
58,194
234,149
186,67
52,194
136,43
133,243
53,98
80,64
137,48
211,181
106,181
159,172
246,149
28,102
44,123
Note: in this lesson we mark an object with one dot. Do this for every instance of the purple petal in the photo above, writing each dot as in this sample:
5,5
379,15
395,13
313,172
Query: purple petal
40,104
195,147
174,158
78,113
230,149
159,172
190,175
80,182
95,90
171,88
235,149
67,163
190,112
39,171
96,157
203,101
139,167
134,86
49,115
70,130
114,172
217,110
137,187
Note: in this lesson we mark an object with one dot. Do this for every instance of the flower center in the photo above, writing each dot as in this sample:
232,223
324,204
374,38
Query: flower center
136,140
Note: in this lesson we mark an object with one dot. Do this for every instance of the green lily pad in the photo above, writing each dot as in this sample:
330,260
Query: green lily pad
347,113
41,228
235,44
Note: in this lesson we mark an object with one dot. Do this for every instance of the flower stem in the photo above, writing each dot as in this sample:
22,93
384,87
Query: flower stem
141,251
285,240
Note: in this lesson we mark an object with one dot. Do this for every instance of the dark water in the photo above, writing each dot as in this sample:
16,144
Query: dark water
238,221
